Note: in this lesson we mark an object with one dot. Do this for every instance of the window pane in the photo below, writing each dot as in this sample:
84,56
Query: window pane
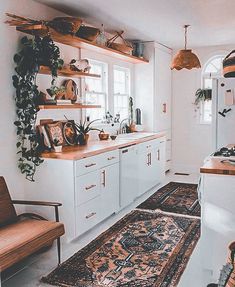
95,90
208,83
211,69
121,91
207,111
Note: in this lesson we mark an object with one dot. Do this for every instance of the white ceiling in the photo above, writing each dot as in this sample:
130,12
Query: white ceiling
212,21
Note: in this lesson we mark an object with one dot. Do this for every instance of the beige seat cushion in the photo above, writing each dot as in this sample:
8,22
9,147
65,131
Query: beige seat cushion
18,240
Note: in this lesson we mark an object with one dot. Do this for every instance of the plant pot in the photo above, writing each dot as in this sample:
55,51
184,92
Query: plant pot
83,139
58,148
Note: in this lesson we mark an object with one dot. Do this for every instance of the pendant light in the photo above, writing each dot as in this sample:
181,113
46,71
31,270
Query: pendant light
185,58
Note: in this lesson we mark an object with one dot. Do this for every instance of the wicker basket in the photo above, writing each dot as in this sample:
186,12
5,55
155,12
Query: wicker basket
66,25
88,33
125,48
231,280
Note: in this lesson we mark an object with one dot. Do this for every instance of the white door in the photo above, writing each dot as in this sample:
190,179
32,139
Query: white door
225,126
109,177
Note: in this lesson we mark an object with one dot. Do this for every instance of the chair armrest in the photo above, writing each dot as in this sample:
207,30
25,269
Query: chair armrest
41,203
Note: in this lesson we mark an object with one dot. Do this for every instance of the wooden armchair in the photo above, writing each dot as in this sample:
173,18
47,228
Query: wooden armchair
23,235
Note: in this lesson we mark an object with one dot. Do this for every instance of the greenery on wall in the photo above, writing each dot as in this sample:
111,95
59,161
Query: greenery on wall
202,95
35,52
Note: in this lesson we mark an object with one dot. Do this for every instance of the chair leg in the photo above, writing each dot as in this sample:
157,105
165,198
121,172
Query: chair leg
59,250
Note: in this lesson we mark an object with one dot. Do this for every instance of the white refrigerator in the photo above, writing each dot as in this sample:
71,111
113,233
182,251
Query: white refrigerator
223,111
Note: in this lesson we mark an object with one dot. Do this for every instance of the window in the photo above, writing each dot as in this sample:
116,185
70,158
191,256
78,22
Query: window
212,70
96,90
121,82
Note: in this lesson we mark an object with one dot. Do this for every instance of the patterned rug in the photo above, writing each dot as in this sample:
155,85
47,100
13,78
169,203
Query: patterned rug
144,249
175,197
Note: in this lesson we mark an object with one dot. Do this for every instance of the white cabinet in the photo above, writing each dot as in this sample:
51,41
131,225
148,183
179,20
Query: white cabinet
128,175
151,164
218,220
109,190
93,188
153,92
96,192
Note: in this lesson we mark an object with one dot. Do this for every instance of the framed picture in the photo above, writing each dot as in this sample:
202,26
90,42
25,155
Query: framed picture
69,133
55,133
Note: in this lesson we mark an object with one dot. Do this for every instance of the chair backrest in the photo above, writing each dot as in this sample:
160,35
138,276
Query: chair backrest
7,210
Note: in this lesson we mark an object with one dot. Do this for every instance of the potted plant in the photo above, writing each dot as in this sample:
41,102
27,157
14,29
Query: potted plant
203,95
34,52
57,146
83,130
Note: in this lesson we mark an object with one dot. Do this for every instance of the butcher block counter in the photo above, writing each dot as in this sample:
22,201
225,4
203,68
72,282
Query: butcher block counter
215,166
96,147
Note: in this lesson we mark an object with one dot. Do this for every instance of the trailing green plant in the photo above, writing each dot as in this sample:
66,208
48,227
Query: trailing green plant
35,52
202,95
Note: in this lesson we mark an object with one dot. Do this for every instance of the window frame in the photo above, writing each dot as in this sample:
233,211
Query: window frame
207,76
104,79
127,86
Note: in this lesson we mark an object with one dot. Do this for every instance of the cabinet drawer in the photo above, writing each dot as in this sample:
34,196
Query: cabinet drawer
88,164
87,215
87,187
110,157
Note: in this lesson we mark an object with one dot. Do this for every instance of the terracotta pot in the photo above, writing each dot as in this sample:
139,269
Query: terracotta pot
83,139
58,148
103,136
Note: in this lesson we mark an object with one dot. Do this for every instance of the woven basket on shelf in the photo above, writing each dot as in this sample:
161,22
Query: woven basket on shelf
65,25
88,33
126,47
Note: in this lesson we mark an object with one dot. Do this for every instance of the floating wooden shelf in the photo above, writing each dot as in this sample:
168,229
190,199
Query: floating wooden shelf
67,73
81,43
73,106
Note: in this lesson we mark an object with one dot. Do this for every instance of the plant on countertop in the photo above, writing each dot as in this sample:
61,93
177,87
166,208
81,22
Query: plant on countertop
202,95
83,130
35,52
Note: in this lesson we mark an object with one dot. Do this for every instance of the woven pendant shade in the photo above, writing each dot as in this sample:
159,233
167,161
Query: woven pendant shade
185,58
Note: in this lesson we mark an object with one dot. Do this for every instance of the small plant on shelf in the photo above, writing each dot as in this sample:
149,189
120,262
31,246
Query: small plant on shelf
35,52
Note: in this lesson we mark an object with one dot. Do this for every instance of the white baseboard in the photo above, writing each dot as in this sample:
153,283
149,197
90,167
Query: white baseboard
185,168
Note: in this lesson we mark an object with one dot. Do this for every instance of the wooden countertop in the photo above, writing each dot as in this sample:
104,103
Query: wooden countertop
97,147
215,166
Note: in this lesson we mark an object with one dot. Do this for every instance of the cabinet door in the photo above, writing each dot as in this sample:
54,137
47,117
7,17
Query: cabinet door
162,95
145,174
109,177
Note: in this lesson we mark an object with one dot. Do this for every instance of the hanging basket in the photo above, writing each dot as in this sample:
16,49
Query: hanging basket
126,47
229,65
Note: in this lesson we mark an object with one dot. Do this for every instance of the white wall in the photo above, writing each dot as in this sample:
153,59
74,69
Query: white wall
9,46
192,141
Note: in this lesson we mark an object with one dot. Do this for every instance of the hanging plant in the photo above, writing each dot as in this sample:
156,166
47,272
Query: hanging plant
202,95
35,52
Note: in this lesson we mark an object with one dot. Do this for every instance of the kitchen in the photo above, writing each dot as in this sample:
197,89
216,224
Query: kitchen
160,147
